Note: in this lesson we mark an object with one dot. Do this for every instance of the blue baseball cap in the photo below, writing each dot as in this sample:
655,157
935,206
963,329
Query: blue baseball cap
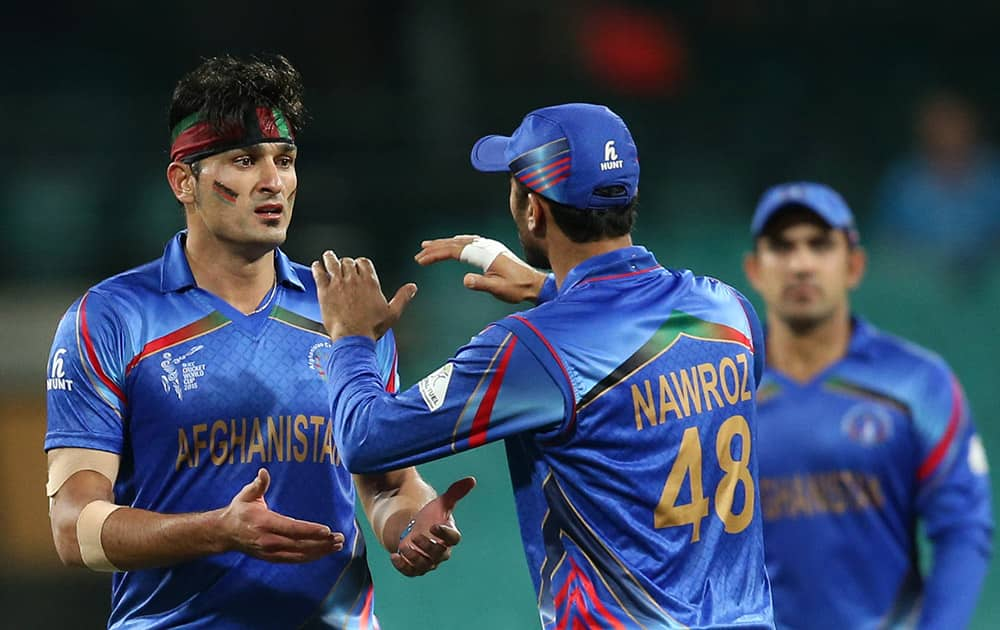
579,155
819,198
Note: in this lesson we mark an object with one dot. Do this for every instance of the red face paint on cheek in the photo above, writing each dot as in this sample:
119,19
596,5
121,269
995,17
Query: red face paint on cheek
223,192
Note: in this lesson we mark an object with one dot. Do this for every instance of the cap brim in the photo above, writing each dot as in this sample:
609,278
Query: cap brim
764,214
489,154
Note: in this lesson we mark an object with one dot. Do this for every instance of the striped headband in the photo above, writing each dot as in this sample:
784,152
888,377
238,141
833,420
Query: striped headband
193,138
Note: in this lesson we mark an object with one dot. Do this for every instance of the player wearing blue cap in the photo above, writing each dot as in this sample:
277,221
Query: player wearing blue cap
189,440
862,435
625,398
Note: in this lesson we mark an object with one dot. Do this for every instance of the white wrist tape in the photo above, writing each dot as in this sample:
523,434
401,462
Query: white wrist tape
483,251
88,534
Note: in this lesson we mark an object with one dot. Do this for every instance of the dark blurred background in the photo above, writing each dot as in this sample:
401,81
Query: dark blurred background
893,103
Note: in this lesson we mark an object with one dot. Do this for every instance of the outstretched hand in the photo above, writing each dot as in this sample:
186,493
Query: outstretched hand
505,276
351,300
254,529
433,533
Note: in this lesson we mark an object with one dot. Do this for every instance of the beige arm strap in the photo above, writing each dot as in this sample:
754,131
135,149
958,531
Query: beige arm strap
88,534
64,462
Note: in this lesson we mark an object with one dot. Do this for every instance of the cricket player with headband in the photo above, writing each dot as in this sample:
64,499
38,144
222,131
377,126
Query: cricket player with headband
862,436
625,398
189,439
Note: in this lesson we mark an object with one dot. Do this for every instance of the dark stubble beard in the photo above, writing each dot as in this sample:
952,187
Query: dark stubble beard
806,324
533,255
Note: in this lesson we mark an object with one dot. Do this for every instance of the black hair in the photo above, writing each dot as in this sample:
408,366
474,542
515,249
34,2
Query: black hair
589,225
793,213
223,89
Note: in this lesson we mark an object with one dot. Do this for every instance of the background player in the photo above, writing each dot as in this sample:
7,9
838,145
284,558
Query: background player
179,379
626,400
861,435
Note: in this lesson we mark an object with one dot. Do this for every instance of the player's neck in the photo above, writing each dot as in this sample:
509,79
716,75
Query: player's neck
239,280
802,355
565,254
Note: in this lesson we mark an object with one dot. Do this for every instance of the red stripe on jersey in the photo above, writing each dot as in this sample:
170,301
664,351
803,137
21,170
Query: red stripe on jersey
941,448
391,385
552,351
588,588
477,435
92,354
366,611
621,275
195,329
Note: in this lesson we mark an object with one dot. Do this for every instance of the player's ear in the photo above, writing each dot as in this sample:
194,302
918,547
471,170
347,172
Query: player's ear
751,268
857,262
182,181
537,216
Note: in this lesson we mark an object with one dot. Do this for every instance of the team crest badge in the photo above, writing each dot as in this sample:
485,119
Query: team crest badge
867,424
319,354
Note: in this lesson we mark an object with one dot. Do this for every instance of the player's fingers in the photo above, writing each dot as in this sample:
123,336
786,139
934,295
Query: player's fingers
435,551
448,535
348,269
494,285
294,529
320,274
366,269
332,264
275,543
399,302
418,559
402,565
256,488
456,492
462,239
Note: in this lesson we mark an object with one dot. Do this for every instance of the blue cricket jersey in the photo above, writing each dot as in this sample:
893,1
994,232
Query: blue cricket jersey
195,397
627,406
850,461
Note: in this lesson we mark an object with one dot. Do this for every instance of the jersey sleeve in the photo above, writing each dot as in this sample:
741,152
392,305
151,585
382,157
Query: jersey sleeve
494,387
756,336
387,359
953,502
549,290
85,378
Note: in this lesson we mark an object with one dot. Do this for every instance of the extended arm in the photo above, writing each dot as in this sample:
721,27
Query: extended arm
505,276
110,537
408,518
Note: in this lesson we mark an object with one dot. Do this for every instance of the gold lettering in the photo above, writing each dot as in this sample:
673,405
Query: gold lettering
328,449
199,443
687,391
256,443
742,359
300,437
275,440
733,396
317,422
646,403
287,420
183,450
218,458
238,438
706,370
667,402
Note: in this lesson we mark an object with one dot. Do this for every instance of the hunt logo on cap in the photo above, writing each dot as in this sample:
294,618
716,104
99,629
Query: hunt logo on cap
577,154
611,157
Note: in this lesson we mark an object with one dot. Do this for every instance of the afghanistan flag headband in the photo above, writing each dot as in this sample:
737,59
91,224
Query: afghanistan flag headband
194,138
